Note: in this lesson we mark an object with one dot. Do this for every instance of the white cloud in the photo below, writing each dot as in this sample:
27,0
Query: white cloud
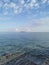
48,1
32,4
37,25
41,25
36,5
22,2
16,9
12,6
44,1
19,29
33,1
5,6
1,4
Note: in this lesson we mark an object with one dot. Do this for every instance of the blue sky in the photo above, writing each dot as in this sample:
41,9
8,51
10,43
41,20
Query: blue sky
24,15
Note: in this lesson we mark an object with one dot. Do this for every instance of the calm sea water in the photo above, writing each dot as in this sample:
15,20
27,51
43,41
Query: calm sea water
23,42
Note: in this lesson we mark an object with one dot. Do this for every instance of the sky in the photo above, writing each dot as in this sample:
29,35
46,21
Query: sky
24,15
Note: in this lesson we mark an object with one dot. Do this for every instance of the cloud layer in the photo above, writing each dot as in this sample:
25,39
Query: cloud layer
19,6
25,10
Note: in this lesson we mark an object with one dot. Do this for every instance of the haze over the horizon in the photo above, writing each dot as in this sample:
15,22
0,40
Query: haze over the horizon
24,15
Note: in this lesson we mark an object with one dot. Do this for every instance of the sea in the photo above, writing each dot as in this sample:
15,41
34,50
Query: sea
17,42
